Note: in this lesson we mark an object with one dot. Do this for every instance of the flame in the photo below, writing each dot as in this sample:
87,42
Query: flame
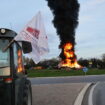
70,60
20,67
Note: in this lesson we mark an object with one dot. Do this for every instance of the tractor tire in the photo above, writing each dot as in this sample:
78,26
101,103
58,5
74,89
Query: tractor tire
2,95
27,94
5,94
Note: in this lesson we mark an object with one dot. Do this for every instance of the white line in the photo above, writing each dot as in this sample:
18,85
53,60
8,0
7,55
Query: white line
80,97
90,99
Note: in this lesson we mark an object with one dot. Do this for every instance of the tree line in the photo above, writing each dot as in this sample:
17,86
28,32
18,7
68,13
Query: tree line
53,63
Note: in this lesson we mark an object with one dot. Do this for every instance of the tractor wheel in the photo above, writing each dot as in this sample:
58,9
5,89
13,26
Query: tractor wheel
1,96
27,94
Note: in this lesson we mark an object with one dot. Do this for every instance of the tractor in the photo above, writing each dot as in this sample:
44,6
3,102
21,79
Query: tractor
15,87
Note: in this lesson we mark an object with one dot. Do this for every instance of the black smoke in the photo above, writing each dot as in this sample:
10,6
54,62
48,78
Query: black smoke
65,20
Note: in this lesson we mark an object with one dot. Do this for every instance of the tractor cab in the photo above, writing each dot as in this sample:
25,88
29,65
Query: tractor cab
15,88
6,58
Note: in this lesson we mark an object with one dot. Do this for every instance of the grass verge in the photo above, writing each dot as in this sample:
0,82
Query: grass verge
55,73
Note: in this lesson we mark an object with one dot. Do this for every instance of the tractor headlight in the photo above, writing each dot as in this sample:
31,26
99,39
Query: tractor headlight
3,31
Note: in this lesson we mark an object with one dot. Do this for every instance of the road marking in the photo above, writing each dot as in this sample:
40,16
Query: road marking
80,97
90,99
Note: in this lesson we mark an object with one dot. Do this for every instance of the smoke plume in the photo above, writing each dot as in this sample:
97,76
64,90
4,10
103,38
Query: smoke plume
65,20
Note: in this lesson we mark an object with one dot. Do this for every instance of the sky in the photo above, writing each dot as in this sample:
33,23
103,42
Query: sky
90,34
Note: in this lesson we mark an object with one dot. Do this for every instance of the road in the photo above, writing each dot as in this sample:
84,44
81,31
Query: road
47,88
95,95
69,79
54,91
56,94
99,94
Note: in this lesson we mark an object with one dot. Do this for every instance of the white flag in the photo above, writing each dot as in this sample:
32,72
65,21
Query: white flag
34,32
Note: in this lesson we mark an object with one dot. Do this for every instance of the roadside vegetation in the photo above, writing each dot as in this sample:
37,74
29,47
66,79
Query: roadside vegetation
49,68
55,73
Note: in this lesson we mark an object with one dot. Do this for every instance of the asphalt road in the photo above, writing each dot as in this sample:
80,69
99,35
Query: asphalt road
54,91
96,92
95,95
56,94
99,94
69,79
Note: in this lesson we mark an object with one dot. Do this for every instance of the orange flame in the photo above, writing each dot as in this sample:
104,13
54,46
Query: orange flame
70,60
20,67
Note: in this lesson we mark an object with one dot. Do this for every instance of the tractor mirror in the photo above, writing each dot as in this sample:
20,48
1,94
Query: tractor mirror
27,47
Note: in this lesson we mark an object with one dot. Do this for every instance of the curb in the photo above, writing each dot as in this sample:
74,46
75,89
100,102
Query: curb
90,99
80,96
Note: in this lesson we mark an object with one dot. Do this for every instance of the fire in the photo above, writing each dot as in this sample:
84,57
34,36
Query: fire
20,67
70,58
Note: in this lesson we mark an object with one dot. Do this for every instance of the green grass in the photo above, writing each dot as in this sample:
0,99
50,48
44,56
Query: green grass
55,73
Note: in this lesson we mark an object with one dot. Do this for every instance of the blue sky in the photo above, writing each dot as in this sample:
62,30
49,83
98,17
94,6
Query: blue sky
90,34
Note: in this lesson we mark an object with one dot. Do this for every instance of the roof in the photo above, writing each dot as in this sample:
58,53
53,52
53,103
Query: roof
7,33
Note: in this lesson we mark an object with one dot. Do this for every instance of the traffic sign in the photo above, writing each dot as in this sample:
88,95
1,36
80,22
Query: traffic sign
85,69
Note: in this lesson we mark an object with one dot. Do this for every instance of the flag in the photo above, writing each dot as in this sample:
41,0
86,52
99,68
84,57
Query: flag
34,32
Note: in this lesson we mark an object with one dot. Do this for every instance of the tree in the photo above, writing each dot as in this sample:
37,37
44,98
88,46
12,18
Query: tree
83,62
28,63
103,57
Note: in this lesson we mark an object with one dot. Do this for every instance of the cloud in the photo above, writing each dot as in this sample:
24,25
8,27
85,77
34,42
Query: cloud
91,4
95,2
89,34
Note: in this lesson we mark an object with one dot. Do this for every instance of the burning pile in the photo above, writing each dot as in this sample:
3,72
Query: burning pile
66,21
70,57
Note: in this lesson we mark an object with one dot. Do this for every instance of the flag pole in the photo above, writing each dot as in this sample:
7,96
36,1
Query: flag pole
8,45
